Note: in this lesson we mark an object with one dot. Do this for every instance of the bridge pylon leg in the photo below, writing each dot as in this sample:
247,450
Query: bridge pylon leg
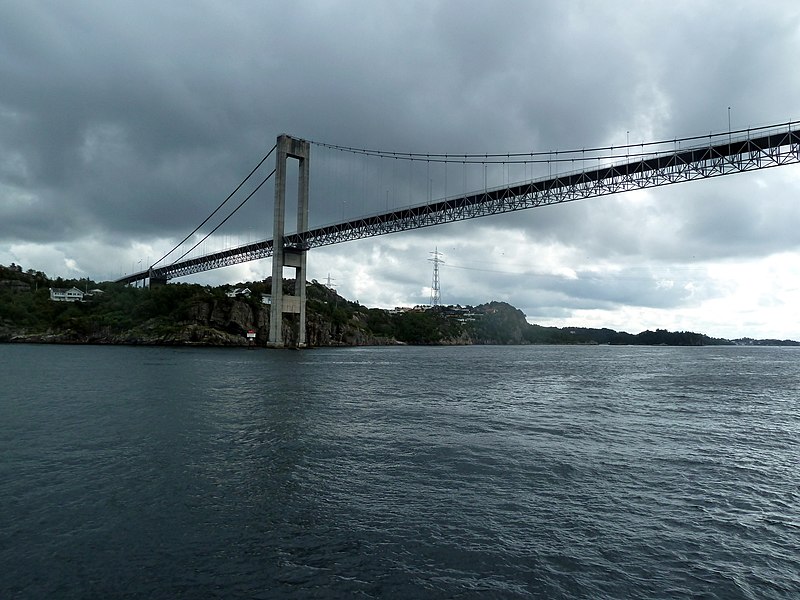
289,256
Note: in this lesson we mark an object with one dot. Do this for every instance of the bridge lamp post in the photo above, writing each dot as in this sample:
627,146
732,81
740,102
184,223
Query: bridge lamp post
729,125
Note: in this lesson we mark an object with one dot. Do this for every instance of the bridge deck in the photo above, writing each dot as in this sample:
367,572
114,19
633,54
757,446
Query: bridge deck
772,149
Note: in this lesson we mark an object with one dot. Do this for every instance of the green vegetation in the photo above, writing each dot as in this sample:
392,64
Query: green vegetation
194,314
109,309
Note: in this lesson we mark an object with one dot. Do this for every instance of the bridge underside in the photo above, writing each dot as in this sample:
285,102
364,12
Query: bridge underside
772,149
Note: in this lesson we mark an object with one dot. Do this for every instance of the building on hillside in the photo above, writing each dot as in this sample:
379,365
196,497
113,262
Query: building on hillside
238,293
66,295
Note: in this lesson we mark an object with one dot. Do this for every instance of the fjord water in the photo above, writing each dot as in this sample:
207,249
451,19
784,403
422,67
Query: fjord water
473,472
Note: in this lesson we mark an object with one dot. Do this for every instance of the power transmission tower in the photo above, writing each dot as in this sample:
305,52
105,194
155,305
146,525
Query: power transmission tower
329,283
436,294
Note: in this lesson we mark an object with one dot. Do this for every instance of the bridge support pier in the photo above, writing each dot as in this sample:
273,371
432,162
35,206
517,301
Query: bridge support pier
153,281
289,256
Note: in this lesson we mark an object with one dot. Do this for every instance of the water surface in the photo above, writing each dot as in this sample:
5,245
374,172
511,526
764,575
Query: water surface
472,472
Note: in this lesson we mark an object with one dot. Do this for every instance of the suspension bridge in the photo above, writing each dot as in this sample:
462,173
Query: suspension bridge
594,172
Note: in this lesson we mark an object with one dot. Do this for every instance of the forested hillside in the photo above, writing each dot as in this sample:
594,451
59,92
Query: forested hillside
193,314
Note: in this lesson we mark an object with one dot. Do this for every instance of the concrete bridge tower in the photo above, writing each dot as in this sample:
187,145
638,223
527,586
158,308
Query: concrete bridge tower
282,254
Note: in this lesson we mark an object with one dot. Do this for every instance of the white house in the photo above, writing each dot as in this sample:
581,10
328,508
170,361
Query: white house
238,293
66,295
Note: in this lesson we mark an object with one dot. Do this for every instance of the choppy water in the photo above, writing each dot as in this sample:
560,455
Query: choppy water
478,472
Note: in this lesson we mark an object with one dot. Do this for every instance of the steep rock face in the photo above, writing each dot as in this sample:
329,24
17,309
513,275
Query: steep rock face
192,334
236,317
322,332
200,311
463,339
231,317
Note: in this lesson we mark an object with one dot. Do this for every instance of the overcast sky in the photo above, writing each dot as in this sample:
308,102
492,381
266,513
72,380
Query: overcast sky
123,124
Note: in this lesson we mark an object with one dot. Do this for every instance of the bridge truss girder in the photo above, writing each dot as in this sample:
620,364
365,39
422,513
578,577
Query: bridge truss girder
773,149
664,169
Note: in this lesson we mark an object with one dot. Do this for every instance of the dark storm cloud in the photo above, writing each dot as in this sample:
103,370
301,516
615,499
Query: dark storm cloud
122,120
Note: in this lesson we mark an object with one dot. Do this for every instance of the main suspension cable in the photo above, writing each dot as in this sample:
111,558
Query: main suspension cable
208,218
520,157
233,212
